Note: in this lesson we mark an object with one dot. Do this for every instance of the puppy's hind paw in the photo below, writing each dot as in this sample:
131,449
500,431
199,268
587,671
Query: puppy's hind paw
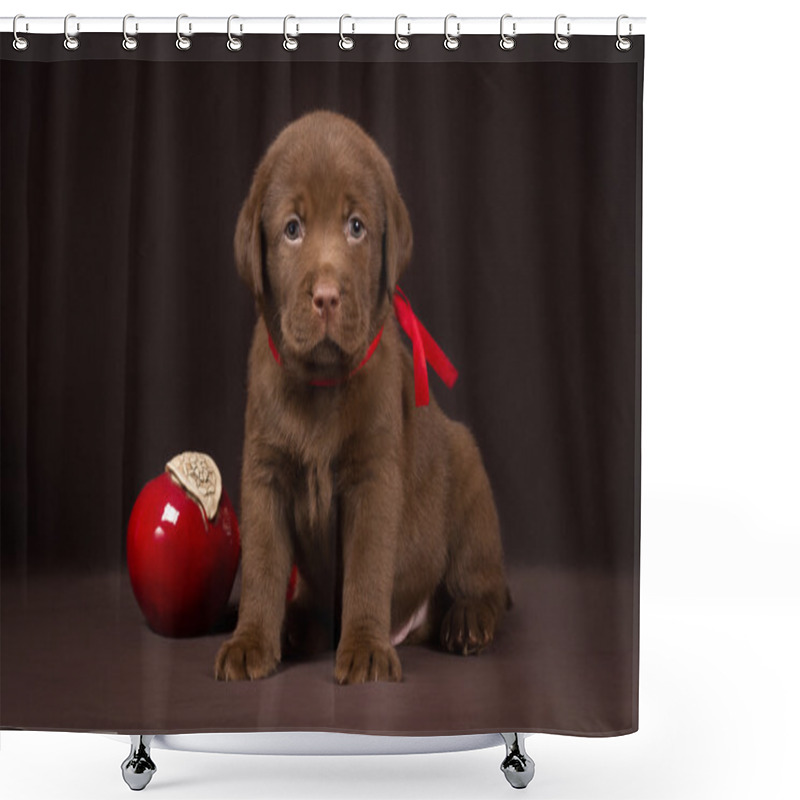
468,627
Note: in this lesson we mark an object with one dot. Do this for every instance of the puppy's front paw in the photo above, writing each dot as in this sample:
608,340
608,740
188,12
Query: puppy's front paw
468,627
362,662
243,656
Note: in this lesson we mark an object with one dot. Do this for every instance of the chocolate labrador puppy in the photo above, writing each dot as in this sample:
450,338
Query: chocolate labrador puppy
385,507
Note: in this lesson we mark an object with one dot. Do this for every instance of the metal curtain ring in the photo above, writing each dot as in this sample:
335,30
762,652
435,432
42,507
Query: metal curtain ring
623,44
234,42
289,42
561,42
507,42
451,42
20,42
182,42
346,42
129,42
71,42
401,42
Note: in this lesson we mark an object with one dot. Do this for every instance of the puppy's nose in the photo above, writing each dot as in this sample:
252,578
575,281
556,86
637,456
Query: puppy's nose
326,299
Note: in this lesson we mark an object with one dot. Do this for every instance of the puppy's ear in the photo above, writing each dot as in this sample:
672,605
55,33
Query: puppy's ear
398,238
249,243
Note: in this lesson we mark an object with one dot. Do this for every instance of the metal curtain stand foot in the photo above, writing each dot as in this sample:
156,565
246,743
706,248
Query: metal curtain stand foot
138,768
517,766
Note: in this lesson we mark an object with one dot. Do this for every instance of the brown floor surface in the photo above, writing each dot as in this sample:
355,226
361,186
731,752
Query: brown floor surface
76,655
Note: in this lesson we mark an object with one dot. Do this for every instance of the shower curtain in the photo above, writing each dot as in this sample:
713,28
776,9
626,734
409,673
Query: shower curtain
125,338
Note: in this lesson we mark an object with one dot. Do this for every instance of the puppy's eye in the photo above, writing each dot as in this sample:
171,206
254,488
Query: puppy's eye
355,228
292,230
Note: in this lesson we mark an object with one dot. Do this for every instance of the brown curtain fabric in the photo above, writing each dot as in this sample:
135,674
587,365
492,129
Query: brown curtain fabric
125,333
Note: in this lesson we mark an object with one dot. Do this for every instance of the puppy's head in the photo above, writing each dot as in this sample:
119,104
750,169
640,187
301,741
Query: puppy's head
322,240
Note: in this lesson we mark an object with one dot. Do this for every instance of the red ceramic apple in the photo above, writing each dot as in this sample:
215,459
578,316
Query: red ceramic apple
183,547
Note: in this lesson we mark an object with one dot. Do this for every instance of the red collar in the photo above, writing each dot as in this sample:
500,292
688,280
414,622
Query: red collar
425,351
332,381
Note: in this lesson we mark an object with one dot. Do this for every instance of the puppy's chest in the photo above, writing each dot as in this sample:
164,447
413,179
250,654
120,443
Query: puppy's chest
313,490
312,443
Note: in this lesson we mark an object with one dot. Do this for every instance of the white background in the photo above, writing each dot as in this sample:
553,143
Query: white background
720,440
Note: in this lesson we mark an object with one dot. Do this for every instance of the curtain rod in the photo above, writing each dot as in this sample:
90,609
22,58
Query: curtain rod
349,25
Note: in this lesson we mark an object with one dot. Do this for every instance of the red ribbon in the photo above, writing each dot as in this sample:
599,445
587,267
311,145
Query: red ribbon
425,351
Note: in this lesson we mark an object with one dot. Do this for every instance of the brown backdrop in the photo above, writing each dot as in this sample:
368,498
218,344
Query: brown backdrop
125,329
